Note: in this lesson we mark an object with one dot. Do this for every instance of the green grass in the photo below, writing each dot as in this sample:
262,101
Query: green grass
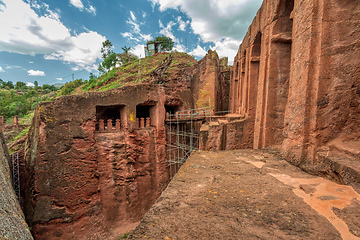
128,73
124,236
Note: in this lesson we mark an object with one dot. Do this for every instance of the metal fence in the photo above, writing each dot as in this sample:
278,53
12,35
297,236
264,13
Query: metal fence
16,173
183,135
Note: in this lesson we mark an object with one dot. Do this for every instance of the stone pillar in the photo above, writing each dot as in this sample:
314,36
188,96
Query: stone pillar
212,112
118,124
137,123
142,122
101,125
16,120
147,122
109,125
167,116
189,113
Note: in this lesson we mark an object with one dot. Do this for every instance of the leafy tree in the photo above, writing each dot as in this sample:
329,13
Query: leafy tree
92,76
19,85
166,43
36,83
50,87
108,63
109,57
7,85
106,49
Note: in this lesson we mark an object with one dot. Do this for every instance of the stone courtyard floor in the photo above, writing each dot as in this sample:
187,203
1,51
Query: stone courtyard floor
250,194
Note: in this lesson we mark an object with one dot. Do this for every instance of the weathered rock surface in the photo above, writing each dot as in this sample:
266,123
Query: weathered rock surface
250,194
12,220
88,183
296,78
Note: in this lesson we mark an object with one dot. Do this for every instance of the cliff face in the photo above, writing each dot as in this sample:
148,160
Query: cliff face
12,222
296,79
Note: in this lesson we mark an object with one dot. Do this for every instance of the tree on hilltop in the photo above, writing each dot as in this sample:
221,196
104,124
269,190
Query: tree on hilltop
167,43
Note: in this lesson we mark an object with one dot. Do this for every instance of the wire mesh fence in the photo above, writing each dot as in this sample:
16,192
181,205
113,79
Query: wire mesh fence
183,135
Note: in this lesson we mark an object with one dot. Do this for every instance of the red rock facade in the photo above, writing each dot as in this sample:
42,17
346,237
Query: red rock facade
93,183
97,161
296,77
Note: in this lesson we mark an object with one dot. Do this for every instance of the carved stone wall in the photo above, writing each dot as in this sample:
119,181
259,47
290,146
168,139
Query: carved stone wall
296,77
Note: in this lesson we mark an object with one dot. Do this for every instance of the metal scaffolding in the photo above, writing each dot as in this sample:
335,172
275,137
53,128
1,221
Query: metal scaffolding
183,135
16,173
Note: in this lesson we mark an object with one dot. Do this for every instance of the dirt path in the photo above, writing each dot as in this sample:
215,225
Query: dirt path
248,194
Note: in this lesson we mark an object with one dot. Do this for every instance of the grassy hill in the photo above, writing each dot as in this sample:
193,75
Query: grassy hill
134,72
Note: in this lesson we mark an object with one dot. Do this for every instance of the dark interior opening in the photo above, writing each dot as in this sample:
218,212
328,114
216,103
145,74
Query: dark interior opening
143,111
108,112
171,109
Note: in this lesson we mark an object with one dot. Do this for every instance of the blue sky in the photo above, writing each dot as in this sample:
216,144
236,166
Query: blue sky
49,40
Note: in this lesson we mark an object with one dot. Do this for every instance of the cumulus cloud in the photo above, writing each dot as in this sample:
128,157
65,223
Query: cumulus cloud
36,73
138,50
227,47
216,20
135,33
26,32
60,79
198,52
84,50
1,70
30,84
179,47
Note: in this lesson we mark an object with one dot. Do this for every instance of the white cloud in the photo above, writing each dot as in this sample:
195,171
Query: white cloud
138,50
36,73
198,52
60,79
135,33
146,37
130,36
167,31
215,20
227,48
132,22
25,32
30,84
91,10
1,70
164,4
77,3
132,16
179,47
182,24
